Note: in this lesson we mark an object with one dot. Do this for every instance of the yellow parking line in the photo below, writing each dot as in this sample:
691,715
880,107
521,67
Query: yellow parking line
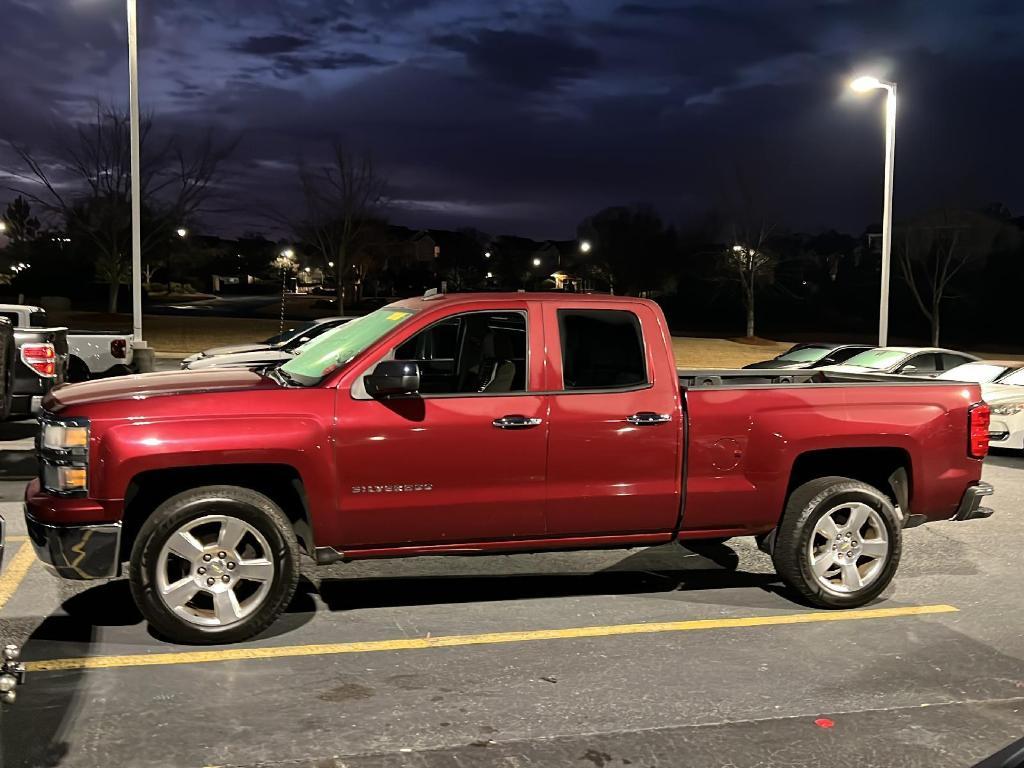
15,572
17,538
414,643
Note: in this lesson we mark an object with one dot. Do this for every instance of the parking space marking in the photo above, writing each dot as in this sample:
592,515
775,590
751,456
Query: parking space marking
13,574
418,643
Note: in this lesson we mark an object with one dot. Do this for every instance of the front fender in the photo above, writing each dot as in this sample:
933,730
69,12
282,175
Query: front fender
126,450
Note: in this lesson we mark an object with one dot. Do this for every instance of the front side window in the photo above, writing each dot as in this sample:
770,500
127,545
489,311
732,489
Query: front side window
471,353
601,349
333,349
921,364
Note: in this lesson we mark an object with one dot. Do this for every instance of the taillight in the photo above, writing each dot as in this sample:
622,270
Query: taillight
977,438
41,358
119,348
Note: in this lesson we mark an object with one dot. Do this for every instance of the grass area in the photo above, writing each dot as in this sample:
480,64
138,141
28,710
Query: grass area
723,353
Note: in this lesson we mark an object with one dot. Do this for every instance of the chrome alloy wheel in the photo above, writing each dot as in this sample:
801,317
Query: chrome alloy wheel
848,548
214,571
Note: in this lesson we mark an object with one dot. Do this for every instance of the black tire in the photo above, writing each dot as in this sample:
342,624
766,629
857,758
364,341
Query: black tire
247,505
805,507
7,402
78,371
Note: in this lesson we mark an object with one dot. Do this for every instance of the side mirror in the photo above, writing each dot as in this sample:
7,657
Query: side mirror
908,368
393,377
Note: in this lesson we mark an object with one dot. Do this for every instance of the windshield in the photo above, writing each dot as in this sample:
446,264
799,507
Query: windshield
279,337
804,355
319,357
878,359
1017,377
979,373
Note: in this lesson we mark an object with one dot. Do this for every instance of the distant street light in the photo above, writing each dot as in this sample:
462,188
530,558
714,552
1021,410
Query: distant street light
487,254
288,253
3,227
536,262
307,270
490,275
181,232
585,246
864,84
330,264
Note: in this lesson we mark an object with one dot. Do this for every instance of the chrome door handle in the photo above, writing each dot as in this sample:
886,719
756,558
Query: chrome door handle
648,418
516,422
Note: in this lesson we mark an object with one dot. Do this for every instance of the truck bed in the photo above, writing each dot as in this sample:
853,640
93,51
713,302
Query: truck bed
694,378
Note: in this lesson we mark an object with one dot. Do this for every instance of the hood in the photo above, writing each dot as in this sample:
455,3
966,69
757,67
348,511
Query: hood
995,393
228,349
142,386
241,360
786,364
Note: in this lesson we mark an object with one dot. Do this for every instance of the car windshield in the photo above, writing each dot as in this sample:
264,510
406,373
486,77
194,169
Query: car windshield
804,355
979,373
1017,377
877,359
333,349
291,332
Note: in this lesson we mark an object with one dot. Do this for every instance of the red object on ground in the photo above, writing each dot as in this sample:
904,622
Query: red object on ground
824,722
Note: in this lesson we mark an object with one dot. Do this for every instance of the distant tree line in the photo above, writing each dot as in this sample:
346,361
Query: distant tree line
733,270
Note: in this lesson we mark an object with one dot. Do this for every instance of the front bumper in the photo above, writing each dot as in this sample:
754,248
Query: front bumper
77,551
970,505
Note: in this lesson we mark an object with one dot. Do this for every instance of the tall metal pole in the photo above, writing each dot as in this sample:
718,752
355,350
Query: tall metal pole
890,149
133,108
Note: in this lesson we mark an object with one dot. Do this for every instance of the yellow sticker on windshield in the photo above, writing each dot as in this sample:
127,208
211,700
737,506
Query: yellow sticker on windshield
398,316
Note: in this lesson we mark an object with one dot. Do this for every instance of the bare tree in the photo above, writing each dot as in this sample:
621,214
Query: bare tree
86,181
936,248
747,258
343,201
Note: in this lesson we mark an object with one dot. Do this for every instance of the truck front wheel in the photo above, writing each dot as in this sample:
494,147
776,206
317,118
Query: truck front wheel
216,564
838,543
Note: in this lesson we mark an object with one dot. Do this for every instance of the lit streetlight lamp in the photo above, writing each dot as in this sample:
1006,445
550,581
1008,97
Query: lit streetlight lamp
487,254
3,227
864,84
536,262
585,246
181,232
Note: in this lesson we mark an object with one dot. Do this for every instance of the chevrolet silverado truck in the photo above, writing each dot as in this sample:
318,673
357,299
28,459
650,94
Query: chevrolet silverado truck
487,423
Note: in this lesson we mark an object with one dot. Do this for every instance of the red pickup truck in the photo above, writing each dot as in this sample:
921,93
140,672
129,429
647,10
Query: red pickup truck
487,423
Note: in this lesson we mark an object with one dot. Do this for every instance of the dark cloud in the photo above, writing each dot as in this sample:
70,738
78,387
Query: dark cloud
266,45
348,28
528,60
526,115
299,65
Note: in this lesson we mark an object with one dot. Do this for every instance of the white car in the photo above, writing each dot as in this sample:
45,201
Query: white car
1006,398
273,351
927,362
982,371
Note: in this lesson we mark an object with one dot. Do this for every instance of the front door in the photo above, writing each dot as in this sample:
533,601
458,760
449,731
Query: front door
443,467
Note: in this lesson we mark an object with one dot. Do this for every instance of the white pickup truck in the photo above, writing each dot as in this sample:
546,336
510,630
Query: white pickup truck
91,354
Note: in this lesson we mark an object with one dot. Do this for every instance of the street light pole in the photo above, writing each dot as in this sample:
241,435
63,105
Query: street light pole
862,84
133,110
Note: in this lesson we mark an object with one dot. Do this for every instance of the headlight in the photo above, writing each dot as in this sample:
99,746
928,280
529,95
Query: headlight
64,479
64,455
1007,409
65,437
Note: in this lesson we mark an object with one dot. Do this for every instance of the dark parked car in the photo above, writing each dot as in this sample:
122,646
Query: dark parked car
8,353
812,356
40,365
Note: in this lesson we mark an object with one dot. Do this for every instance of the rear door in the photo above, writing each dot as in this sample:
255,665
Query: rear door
615,434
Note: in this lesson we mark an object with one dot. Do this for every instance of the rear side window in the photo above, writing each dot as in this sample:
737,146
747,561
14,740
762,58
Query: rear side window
842,355
601,349
11,316
952,361
927,363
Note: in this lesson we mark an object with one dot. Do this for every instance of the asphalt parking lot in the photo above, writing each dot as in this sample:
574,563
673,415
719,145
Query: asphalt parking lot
660,657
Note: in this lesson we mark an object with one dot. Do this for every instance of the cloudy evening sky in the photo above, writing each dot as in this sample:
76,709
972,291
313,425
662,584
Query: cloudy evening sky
524,116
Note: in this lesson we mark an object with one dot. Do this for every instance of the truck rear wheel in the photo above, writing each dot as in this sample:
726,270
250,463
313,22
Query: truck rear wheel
216,564
838,543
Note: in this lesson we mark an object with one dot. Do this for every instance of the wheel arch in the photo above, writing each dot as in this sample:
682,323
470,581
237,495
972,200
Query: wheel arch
887,468
282,483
